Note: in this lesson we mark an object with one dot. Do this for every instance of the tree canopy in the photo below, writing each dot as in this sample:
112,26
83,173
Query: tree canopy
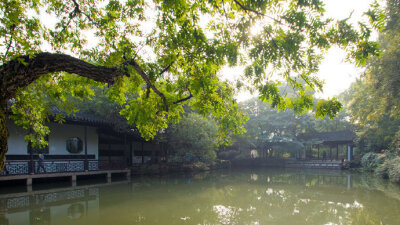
154,56
193,139
374,99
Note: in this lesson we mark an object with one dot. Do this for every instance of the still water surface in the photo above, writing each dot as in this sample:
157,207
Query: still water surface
224,197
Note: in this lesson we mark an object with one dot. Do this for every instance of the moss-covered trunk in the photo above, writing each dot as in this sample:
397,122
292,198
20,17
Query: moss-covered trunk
3,133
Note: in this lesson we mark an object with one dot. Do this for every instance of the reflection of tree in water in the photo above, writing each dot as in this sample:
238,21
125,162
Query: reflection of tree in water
40,215
277,197
76,211
3,210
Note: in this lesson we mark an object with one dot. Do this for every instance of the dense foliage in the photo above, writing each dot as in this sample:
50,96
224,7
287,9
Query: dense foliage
277,133
193,139
163,53
374,100
374,103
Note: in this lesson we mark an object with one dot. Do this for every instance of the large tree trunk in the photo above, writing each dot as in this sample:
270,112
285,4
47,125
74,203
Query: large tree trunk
3,133
21,72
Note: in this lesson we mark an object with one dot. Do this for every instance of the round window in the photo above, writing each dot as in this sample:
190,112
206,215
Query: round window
74,145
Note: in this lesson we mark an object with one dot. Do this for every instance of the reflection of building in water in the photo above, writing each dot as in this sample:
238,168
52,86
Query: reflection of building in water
42,208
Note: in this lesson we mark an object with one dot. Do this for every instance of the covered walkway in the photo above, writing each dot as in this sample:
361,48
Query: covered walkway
333,140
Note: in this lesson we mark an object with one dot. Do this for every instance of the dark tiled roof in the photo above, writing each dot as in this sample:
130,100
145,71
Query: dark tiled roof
82,118
113,125
110,125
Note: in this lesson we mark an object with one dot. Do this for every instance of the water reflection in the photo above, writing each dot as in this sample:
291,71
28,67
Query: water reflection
43,207
236,197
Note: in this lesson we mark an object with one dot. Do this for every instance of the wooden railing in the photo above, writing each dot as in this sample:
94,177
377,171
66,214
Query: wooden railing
21,167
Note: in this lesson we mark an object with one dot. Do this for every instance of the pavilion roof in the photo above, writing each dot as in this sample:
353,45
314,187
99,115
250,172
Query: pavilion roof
336,136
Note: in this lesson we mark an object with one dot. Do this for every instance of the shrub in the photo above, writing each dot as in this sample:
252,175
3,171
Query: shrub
383,170
394,169
369,161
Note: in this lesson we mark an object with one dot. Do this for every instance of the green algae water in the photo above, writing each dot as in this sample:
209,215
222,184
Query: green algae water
261,196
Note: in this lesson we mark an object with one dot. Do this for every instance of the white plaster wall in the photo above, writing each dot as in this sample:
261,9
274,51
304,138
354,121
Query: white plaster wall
16,141
59,133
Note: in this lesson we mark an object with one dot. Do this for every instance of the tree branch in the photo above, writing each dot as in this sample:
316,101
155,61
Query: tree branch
8,47
23,70
248,9
256,12
184,99
169,66
140,71
12,28
76,11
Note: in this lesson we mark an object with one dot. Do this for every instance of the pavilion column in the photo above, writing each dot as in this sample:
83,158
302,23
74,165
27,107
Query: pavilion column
130,153
349,153
337,151
318,151
142,153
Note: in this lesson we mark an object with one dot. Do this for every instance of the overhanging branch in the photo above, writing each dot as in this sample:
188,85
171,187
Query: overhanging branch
247,9
184,99
167,68
140,71
22,71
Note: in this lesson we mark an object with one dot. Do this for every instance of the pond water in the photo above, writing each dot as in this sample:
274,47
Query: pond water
261,196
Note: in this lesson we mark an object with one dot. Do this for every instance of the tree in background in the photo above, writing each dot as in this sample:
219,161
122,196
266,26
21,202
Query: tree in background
165,53
193,139
278,133
374,100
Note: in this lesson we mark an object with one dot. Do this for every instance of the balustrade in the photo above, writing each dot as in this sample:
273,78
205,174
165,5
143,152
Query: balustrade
24,167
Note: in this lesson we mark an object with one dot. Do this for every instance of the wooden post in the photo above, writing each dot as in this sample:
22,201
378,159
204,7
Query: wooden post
130,153
142,153
126,152
330,152
31,162
109,177
86,166
352,152
73,180
165,149
318,151
337,151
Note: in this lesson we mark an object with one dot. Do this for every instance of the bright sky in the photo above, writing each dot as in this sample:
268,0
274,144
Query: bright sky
337,73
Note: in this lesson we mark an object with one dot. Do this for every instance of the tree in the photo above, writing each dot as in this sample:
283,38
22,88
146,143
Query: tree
195,137
279,131
374,100
164,54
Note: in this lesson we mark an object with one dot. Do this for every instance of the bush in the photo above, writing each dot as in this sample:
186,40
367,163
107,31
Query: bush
383,170
394,169
370,161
